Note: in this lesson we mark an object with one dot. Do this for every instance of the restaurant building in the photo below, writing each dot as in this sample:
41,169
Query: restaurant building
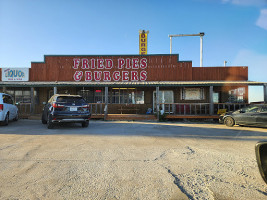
130,84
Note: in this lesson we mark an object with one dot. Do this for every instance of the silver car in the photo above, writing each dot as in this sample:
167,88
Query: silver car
8,111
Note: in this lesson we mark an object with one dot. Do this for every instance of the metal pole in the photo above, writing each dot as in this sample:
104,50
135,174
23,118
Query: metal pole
32,101
265,93
55,90
157,101
106,104
201,34
170,45
211,101
201,51
4,89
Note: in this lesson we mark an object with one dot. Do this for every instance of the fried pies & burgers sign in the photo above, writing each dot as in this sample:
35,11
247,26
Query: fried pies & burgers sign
121,69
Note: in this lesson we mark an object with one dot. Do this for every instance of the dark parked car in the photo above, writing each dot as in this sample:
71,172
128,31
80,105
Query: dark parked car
66,108
253,115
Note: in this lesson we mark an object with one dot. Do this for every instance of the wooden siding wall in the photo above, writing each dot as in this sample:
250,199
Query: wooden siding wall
159,68
220,73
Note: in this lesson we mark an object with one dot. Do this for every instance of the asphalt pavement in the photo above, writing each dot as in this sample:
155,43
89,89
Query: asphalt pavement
129,160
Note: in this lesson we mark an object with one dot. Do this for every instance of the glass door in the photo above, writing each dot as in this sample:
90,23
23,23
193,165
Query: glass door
165,97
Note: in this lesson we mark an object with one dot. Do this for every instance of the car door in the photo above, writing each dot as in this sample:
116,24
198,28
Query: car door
261,118
7,106
247,115
46,108
13,108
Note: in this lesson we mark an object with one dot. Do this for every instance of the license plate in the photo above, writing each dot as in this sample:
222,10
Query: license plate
73,108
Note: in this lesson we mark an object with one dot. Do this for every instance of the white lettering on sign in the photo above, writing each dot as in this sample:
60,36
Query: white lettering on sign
15,74
127,69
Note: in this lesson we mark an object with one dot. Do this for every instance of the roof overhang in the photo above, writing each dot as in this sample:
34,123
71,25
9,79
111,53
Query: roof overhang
130,84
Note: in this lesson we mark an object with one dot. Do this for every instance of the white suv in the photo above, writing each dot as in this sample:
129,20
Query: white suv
8,111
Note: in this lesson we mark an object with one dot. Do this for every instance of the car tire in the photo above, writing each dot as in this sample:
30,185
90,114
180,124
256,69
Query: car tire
17,117
229,121
5,123
43,120
50,124
85,124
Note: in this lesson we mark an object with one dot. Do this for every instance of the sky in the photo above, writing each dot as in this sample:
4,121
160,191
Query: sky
235,31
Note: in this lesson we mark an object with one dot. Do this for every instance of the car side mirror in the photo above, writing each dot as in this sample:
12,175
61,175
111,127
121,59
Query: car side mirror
261,156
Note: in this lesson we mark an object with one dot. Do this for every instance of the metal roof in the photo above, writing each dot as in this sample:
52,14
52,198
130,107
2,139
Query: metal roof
127,84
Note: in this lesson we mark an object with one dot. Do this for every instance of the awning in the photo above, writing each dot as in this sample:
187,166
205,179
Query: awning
130,84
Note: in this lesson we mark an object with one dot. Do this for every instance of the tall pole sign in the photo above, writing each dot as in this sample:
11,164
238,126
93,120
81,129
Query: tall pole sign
143,42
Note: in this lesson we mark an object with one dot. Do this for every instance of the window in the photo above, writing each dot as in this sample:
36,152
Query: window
7,99
264,109
215,97
192,94
249,109
127,96
87,94
237,95
99,96
22,95
115,95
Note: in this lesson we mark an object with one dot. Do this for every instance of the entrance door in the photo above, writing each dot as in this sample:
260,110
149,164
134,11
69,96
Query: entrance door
166,97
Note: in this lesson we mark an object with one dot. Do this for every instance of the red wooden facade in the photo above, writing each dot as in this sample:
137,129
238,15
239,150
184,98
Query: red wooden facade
156,68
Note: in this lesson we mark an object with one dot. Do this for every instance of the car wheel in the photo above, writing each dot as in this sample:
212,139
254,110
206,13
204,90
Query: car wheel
43,120
17,117
5,123
50,124
229,121
85,124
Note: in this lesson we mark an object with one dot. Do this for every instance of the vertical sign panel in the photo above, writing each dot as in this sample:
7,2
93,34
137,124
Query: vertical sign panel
143,43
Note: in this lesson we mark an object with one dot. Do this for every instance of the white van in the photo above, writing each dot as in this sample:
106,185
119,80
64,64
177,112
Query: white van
8,111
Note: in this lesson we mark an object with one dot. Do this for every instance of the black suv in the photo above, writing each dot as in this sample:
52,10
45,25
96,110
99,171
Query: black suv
66,108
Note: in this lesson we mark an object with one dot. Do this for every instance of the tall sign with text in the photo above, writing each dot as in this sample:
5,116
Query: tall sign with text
143,42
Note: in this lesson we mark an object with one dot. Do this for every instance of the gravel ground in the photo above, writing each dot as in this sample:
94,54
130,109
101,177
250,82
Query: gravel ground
130,160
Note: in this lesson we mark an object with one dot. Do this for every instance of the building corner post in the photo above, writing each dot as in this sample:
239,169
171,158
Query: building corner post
211,101
265,93
106,104
55,90
4,89
32,108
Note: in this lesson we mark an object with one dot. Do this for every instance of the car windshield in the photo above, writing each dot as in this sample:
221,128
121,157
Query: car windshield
70,99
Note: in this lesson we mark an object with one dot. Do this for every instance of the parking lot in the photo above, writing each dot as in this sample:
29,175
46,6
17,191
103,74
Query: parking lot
129,160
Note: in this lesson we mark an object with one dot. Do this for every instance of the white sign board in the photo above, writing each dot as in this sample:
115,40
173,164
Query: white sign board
15,74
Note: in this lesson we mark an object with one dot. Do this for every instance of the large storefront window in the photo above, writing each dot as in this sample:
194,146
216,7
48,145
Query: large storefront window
115,95
22,95
237,95
127,96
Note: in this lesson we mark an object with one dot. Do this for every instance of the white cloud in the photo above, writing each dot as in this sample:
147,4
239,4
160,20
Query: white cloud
262,20
247,2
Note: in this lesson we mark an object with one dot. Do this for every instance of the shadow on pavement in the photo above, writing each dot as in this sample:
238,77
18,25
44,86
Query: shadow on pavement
150,129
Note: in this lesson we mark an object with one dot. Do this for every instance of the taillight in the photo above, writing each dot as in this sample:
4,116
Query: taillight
55,105
1,106
86,106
